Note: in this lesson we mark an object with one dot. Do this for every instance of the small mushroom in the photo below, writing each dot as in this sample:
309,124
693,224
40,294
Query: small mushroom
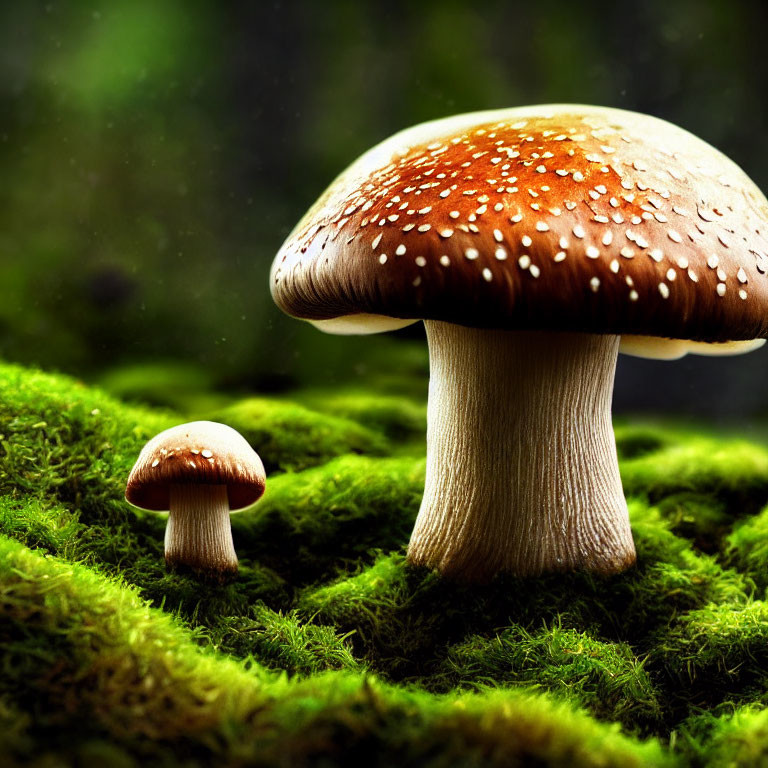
534,243
199,472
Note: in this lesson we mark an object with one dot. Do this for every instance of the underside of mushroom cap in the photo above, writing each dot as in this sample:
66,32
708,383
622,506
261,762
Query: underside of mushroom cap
561,217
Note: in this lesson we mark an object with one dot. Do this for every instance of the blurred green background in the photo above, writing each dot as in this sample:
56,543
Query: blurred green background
154,154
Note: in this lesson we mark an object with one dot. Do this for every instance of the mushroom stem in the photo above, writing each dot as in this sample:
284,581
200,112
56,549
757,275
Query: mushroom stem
199,533
522,473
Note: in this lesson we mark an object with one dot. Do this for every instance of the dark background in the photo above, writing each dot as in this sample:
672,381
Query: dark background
154,154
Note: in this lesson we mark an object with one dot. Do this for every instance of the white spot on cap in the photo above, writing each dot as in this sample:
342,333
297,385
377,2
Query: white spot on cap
471,253
487,275
421,261
594,284
560,256
454,214
526,240
671,275
615,266
656,255
664,290
592,252
720,289
524,261
375,242
400,250
578,231
447,232
674,236
542,226
155,462
516,218
445,261
741,275
607,238
500,254
713,261
497,235
383,258
534,271
633,295
742,294
206,453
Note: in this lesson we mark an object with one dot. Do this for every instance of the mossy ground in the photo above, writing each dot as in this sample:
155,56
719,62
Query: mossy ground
327,649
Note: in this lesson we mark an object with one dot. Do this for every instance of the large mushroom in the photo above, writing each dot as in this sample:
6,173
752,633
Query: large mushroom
199,472
534,243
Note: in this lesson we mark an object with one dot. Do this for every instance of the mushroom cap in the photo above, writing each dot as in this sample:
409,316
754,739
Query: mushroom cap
198,453
556,217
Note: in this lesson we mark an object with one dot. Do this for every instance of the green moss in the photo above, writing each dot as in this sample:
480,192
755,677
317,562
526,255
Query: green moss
747,547
732,470
309,524
170,384
326,637
404,620
288,436
61,440
738,739
399,418
48,526
285,642
699,517
605,677
720,649
132,672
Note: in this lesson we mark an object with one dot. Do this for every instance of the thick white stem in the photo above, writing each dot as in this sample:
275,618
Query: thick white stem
522,474
199,533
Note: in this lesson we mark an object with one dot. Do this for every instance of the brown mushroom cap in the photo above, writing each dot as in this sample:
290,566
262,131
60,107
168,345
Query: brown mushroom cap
561,217
198,453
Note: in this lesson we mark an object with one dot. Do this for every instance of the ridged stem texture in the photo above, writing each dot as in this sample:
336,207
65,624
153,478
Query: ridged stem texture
522,474
199,532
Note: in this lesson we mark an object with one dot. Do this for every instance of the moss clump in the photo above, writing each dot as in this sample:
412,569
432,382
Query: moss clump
327,648
735,739
51,527
60,440
312,523
720,649
104,658
284,641
747,547
288,436
399,418
605,677
405,620
731,470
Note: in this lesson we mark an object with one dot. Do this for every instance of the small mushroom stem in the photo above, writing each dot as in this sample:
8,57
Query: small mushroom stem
522,473
199,532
